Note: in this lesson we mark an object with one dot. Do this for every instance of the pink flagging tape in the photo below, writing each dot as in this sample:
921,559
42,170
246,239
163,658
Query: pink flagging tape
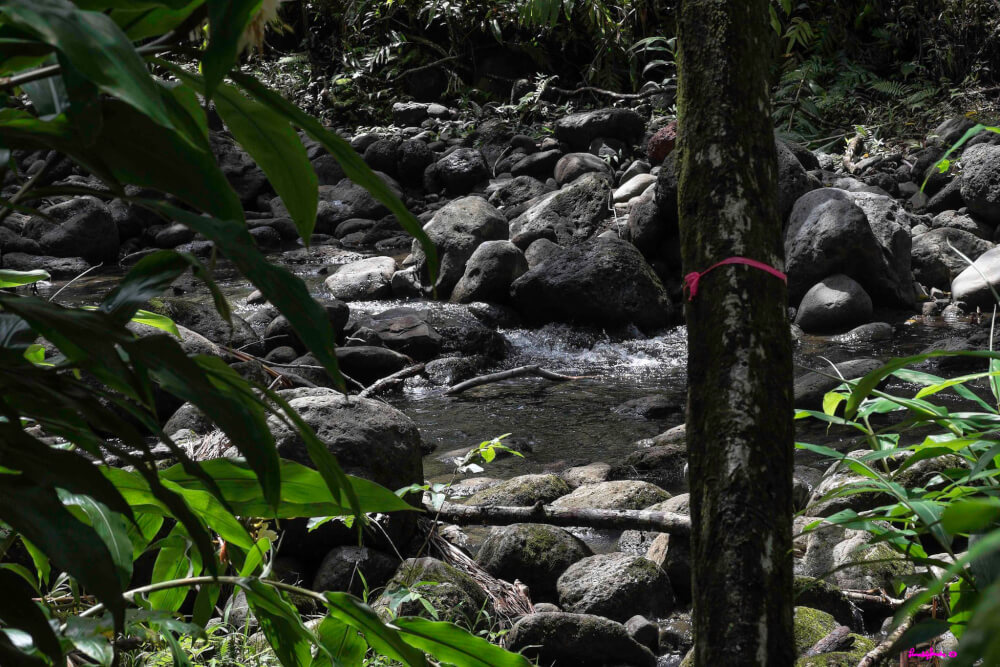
691,279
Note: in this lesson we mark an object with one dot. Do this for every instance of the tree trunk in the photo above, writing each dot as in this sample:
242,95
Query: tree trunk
739,420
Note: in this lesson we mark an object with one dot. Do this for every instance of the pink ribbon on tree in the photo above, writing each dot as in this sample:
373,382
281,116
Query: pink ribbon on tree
691,279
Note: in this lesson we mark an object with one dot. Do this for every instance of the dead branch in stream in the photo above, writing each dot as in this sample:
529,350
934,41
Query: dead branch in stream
882,650
830,643
512,373
393,379
491,515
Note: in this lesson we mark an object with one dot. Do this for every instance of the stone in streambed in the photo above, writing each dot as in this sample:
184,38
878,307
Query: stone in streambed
935,264
583,640
523,491
622,494
364,280
969,286
615,585
489,273
455,595
835,303
341,567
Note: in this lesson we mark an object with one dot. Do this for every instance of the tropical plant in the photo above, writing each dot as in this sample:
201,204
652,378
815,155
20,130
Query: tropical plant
78,387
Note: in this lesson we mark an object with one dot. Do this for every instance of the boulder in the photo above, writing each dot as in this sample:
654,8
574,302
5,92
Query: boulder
453,594
343,201
59,268
90,233
662,143
580,129
405,114
489,273
592,473
616,586
811,387
457,230
517,191
202,317
536,554
409,335
663,465
793,181
414,158
341,568
248,180
935,264
383,155
523,491
574,165
836,303
968,286
981,181
368,364
616,495
541,251
633,187
963,221
540,165
369,438
568,215
577,639
460,330
462,170
364,280
608,284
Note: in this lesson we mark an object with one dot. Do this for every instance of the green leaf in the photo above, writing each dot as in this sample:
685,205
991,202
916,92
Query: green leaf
970,516
157,321
95,46
227,20
17,610
140,23
981,639
255,557
831,400
110,526
451,644
343,643
204,604
89,636
354,167
173,562
10,278
41,562
280,622
385,639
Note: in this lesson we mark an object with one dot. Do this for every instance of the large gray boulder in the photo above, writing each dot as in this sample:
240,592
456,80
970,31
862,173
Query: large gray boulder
579,129
577,639
86,229
522,491
829,232
836,303
341,568
369,363
369,438
935,264
456,230
607,284
574,165
489,273
536,554
568,215
981,181
366,279
963,221
969,286
615,585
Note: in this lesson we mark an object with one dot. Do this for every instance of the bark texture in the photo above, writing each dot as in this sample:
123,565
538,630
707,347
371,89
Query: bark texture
739,420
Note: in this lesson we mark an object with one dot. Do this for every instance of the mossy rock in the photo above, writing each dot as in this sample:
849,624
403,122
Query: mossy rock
811,625
859,648
536,554
523,491
454,595
818,594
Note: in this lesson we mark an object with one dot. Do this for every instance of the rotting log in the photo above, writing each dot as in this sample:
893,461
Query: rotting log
492,515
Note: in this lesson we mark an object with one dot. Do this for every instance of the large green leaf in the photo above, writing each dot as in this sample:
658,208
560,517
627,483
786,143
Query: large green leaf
17,610
152,22
385,639
281,623
354,167
227,19
95,46
173,562
37,513
110,526
11,278
342,642
451,644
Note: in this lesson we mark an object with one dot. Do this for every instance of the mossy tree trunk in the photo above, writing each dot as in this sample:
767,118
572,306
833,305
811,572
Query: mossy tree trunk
739,421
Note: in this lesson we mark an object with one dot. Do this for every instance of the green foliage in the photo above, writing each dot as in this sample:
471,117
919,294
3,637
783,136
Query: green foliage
84,525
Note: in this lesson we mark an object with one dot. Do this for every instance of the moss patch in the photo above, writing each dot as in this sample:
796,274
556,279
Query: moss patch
811,625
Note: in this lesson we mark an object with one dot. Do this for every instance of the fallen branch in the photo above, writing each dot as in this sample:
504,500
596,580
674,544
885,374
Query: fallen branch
395,378
512,373
830,643
491,515
873,656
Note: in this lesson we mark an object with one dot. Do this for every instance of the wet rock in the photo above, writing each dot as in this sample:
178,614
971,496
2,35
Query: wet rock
522,491
608,284
935,264
414,158
489,273
619,495
86,229
574,165
173,236
452,370
248,180
644,631
59,268
191,342
455,595
577,639
811,625
367,364
205,319
188,417
328,169
461,332
658,406
811,387
592,473
616,586
793,182
663,465
364,280
662,143
409,113
866,333
569,215
823,596
580,129
342,566
835,303
981,181
383,155
536,554
517,191
409,335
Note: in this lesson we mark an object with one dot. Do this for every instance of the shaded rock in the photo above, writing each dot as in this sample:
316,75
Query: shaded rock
536,554
935,264
580,129
363,280
522,491
658,406
188,417
963,221
811,625
568,215
592,473
460,171
367,364
455,595
409,335
489,273
811,387
619,495
866,333
517,191
408,113
58,267
574,165
452,370
662,143
608,284
793,182
818,594
414,158
616,586
90,232
981,181
539,165
340,570
577,639
206,320
460,330
663,465
636,186
540,251
644,631
835,303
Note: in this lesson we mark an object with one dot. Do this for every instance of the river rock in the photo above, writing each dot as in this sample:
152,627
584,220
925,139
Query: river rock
405,114
455,595
367,363
577,639
460,330
540,165
568,215
615,495
86,229
644,631
536,554
574,165
963,221
515,192
341,567
633,187
646,225
969,286
206,320
364,280
663,465
409,335
59,268
449,371
457,230
835,303
461,170
343,201
383,155
935,264
580,129
831,549
981,181
191,342
616,586
328,169
489,273
414,158
248,180
657,406
811,387
865,334
793,181
522,491
592,473
636,168
607,284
